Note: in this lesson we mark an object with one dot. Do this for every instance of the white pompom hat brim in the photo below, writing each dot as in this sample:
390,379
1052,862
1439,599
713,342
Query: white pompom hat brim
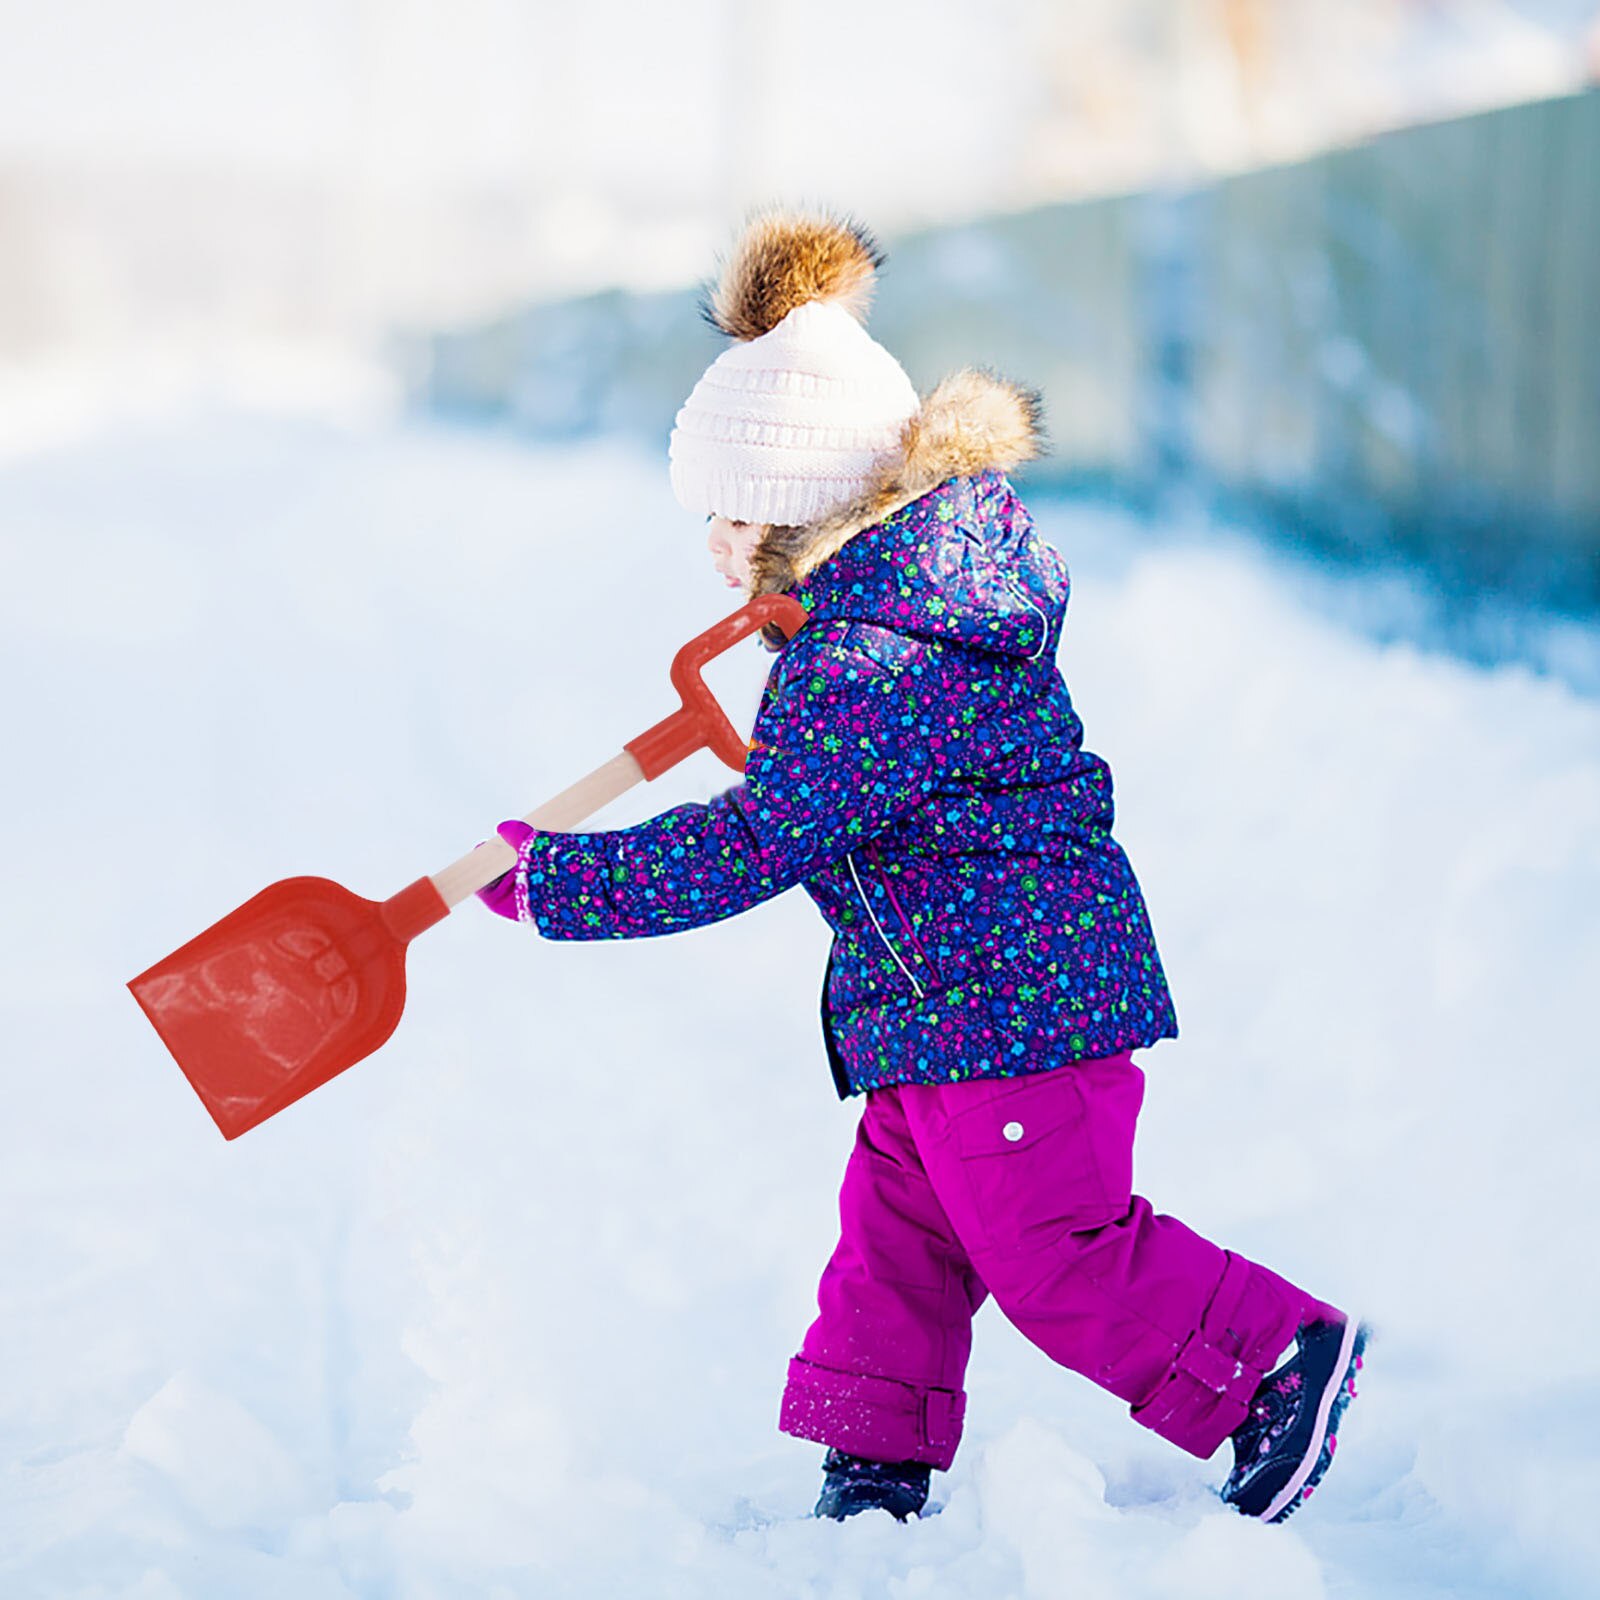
791,427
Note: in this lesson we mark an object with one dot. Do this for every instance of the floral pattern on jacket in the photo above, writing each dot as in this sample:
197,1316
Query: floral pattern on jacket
917,766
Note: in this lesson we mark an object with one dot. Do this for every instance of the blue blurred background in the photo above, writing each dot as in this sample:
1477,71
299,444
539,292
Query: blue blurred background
1325,264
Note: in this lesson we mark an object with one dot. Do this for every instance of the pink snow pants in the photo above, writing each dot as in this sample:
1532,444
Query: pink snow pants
1022,1188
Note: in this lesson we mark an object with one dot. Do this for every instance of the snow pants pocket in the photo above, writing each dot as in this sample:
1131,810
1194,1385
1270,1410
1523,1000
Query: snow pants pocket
1033,1158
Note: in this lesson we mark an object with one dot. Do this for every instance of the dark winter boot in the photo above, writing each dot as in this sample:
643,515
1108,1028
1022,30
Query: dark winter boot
850,1484
1285,1444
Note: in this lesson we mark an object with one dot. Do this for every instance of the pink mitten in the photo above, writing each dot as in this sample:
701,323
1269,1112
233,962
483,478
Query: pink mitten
507,896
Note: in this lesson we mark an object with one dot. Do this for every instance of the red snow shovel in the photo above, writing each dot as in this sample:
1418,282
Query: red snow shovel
306,979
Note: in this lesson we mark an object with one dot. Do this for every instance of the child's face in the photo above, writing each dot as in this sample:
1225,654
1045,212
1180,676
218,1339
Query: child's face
731,545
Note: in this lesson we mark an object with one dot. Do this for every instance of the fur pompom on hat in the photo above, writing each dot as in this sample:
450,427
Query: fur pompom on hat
782,262
792,422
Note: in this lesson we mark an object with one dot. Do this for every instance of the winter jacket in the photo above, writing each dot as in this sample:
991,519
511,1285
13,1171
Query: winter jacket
917,766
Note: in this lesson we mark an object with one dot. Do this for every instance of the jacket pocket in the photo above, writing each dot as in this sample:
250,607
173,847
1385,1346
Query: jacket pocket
889,921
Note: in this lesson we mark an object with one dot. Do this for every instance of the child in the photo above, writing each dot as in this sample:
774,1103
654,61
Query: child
917,765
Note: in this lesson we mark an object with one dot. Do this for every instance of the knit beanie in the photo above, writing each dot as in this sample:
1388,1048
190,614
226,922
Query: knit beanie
788,424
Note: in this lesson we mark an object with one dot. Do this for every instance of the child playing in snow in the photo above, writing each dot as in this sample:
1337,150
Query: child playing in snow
918,767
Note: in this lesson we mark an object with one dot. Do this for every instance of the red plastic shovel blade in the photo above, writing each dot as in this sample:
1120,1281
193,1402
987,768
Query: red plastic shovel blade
299,983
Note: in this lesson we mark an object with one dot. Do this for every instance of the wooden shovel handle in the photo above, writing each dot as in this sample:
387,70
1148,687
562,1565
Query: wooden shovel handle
560,814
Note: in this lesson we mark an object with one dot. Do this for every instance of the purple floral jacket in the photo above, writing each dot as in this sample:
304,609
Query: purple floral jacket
918,768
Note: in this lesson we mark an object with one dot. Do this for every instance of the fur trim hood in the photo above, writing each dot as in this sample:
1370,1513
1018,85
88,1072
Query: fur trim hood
972,422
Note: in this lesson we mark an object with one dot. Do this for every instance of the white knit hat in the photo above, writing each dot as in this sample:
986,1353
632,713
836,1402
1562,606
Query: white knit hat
789,425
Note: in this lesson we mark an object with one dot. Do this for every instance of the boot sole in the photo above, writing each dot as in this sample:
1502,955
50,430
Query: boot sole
1336,1395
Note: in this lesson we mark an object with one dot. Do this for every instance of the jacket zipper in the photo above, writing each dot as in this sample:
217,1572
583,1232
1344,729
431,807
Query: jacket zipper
870,851
900,910
855,877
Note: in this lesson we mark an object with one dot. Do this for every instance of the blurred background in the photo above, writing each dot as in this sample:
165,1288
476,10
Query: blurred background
1332,262
339,345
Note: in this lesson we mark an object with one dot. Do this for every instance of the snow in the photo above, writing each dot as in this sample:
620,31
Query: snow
505,1310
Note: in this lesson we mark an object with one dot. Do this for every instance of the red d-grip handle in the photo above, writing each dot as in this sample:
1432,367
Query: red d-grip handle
700,722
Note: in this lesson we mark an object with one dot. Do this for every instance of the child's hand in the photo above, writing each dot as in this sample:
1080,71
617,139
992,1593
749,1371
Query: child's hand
501,895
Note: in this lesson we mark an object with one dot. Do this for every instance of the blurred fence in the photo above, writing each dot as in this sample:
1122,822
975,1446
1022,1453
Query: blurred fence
1392,348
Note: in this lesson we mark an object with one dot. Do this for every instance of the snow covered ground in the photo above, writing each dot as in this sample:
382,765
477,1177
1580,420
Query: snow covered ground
505,1310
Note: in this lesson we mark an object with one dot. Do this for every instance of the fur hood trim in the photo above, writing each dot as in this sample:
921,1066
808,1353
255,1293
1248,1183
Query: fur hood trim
973,422
784,260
